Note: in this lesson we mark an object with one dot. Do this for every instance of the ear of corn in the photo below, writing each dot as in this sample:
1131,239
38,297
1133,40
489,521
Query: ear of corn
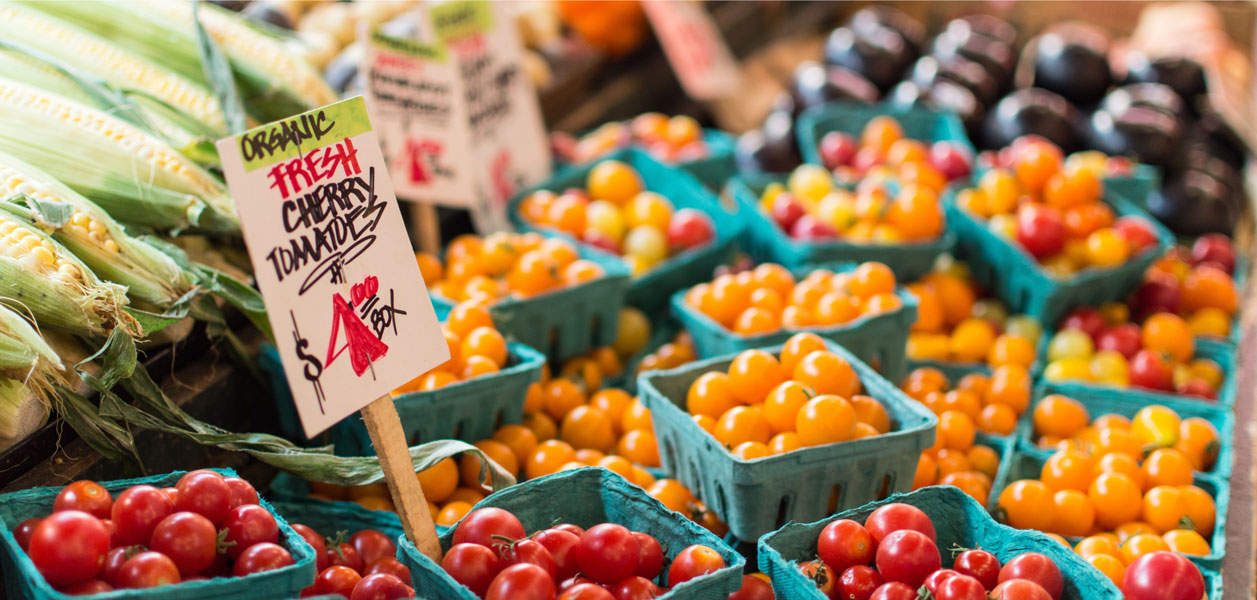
137,178
40,277
151,277
22,410
275,82
26,359
93,54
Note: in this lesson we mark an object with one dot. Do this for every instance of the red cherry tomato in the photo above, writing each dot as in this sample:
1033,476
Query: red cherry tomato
560,543
87,588
188,539
896,516
1086,318
1020,589
694,561
87,496
69,547
636,588
114,559
372,545
521,582
844,543
1138,233
1122,338
242,492
575,530
607,553
573,581
907,556
336,579
136,512
980,565
586,591
346,556
1040,230
205,493
893,590
1035,567
261,557
858,583
961,587
381,586
937,578
249,524
22,533
1163,575
317,542
689,228
821,575
390,566
480,525
146,570
472,565
1151,370
528,551
650,555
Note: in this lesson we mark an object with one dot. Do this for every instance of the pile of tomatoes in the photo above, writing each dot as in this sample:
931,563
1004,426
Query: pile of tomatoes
668,139
1196,284
476,348
505,265
497,560
616,213
766,405
899,541
954,323
883,150
991,403
767,298
811,206
364,567
1063,423
1054,209
205,526
1106,349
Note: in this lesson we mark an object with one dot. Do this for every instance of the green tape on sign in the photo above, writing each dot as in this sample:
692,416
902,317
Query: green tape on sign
271,143
408,47
454,20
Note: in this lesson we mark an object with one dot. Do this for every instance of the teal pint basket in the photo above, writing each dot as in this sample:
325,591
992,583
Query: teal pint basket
471,409
1138,185
766,242
22,580
757,496
1100,400
958,520
918,123
566,322
650,291
1018,464
877,339
1019,280
587,497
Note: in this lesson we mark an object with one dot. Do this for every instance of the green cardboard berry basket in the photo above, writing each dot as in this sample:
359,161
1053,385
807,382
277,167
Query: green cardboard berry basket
918,123
1100,400
877,339
958,521
566,322
766,242
1138,185
650,291
1018,464
471,409
22,580
1018,279
756,496
587,497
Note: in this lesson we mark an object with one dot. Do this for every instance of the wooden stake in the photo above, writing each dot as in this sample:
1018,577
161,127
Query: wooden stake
427,233
385,428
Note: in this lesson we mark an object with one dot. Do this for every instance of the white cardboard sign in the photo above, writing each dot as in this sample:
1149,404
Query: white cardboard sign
414,93
351,315
510,148
695,49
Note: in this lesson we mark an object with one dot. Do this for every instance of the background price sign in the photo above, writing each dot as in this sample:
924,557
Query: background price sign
415,96
351,315
698,54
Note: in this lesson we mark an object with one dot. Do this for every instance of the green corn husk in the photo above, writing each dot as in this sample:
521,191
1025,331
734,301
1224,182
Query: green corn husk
151,277
28,360
22,411
274,82
99,56
139,179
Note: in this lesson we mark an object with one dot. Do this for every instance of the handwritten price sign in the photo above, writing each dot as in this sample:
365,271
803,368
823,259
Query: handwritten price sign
352,317
695,49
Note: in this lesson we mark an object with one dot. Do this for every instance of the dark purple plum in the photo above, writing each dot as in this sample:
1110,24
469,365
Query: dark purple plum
1183,75
872,17
1030,111
1072,61
815,84
958,69
771,148
880,54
